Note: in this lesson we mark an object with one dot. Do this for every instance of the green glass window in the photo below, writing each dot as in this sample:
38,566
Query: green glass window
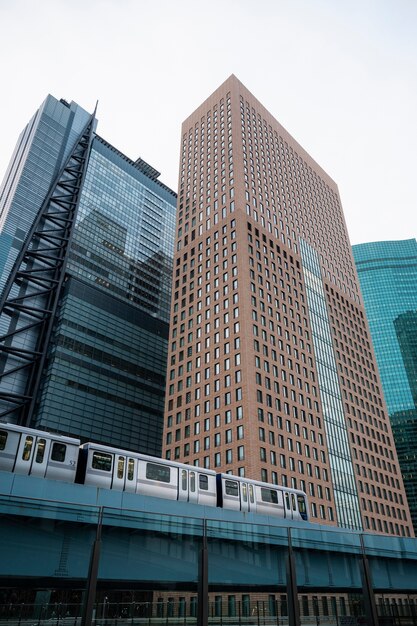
301,504
203,480
58,452
232,488
162,473
102,461
269,495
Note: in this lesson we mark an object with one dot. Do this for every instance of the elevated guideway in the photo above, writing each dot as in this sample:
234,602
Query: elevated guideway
206,562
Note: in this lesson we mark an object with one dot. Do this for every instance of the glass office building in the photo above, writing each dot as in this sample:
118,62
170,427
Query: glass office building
104,377
388,277
42,148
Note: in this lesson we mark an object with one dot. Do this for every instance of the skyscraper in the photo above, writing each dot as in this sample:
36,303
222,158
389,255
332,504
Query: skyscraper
104,374
271,374
41,150
387,272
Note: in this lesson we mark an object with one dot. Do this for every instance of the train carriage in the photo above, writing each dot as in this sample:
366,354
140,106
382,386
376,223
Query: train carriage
112,468
37,453
243,494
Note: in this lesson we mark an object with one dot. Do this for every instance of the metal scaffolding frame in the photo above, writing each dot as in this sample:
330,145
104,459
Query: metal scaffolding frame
31,294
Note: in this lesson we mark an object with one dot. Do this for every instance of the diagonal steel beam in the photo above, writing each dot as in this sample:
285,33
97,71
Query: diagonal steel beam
27,294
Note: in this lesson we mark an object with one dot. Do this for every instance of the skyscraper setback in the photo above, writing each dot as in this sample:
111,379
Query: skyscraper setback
271,374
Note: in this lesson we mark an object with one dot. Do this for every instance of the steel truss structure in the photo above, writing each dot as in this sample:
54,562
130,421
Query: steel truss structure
31,295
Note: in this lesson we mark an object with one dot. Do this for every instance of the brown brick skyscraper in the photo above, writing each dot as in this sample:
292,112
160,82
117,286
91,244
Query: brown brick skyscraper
271,373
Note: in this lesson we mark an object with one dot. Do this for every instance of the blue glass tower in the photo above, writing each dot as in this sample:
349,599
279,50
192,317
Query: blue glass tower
104,376
42,148
388,277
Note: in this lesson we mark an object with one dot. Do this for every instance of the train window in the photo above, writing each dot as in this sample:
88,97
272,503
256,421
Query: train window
251,494
301,504
27,448
203,481
294,507
269,495
3,439
232,488
287,500
192,482
158,472
120,467
40,450
130,469
244,492
58,452
102,461
184,480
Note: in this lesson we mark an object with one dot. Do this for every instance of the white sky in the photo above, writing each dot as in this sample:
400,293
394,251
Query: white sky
339,75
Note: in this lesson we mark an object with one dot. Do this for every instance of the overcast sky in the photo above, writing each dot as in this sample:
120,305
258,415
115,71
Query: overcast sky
339,75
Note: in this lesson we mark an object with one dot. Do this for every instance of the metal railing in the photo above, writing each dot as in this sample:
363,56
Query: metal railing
223,610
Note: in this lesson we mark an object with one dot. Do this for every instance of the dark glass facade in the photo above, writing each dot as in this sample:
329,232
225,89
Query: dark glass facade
41,151
123,239
105,373
388,276
406,330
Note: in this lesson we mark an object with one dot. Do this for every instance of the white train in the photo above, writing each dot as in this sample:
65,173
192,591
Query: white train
37,453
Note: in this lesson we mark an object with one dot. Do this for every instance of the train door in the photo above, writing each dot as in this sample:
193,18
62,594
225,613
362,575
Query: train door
290,506
9,444
251,496
183,485
25,454
244,497
294,507
187,486
288,511
33,455
131,475
119,472
40,457
193,487
99,470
